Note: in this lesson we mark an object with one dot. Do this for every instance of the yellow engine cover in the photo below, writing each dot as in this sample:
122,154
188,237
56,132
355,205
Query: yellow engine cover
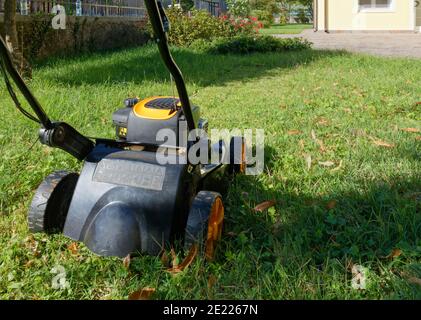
157,108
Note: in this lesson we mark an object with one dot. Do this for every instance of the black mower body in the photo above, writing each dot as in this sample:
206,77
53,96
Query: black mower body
125,201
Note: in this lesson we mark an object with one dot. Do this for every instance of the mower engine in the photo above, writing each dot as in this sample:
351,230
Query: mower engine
140,121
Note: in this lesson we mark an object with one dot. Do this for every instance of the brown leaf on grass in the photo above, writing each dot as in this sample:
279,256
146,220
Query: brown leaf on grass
308,160
264,206
212,281
319,142
323,122
418,138
73,248
338,167
186,262
174,257
126,261
395,253
294,132
32,245
415,280
301,143
322,147
331,204
164,258
142,294
418,103
384,144
411,130
29,263
327,163
313,135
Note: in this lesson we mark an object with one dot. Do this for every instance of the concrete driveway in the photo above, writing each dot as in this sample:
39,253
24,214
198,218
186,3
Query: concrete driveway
383,44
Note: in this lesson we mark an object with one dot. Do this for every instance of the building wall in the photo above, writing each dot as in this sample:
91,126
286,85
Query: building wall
344,15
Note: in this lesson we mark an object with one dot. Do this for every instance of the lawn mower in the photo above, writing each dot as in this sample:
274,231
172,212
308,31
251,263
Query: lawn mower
125,200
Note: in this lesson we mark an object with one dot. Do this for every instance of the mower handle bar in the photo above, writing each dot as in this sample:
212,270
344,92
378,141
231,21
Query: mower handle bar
6,60
157,18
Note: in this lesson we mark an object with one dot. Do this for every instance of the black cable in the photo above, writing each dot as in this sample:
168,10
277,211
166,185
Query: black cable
14,97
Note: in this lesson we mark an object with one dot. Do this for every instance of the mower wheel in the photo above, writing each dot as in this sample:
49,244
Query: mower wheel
49,207
237,155
204,224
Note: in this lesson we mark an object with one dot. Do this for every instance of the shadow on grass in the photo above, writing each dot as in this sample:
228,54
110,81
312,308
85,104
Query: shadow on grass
359,225
203,69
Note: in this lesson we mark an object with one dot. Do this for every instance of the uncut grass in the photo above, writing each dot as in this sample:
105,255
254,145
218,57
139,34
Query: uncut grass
300,249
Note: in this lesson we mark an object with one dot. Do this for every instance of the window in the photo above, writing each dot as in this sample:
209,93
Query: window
375,5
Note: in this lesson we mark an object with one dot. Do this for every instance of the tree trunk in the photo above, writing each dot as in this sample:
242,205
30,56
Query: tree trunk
10,33
11,38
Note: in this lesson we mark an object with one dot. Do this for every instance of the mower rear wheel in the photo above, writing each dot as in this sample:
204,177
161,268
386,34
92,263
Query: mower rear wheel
49,207
237,155
205,222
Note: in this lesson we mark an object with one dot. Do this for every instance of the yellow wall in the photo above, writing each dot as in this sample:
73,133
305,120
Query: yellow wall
345,15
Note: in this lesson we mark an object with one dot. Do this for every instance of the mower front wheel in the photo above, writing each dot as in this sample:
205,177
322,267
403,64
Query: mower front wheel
205,222
49,207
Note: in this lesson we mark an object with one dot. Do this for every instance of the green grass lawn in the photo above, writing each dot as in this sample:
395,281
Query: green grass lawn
285,29
345,176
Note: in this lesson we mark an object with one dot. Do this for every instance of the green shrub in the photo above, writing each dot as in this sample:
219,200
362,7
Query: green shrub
198,24
264,16
239,8
302,17
248,44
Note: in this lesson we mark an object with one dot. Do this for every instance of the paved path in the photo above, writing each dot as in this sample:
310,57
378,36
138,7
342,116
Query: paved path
384,44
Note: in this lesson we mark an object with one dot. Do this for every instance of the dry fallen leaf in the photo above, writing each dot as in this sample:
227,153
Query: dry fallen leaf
412,130
301,143
308,161
164,259
322,147
142,294
323,122
331,204
73,248
327,163
32,245
338,167
186,262
126,261
395,253
174,258
211,281
29,263
384,144
313,135
418,138
264,206
415,281
293,132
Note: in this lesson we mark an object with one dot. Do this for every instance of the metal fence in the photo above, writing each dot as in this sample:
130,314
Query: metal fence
215,7
92,8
